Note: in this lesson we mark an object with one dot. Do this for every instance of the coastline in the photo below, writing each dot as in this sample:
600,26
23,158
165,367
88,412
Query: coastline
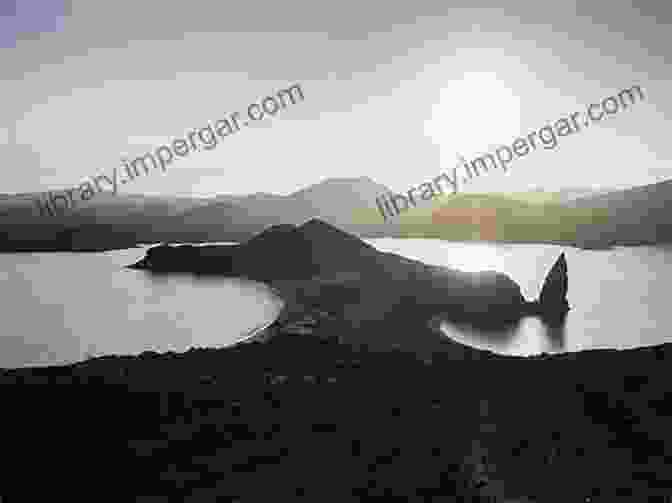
263,331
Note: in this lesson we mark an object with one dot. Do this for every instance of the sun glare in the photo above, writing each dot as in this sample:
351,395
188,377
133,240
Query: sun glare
473,257
473,114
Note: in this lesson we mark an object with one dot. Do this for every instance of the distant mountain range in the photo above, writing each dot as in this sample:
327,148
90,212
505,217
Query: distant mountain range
641,215
108,221
121,221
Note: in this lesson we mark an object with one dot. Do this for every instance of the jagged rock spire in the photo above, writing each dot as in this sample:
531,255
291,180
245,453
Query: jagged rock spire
553,297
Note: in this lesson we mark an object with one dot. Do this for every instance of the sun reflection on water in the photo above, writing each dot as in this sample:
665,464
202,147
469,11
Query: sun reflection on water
474,257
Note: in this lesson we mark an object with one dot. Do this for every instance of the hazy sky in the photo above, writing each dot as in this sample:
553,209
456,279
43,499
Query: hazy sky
393,90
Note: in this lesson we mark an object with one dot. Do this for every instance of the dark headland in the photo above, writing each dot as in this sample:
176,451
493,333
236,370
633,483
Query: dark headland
351,393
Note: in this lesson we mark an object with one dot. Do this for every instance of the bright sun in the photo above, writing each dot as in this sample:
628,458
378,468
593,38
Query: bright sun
474,114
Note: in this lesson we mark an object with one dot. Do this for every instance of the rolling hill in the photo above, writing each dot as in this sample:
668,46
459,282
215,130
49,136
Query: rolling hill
520,217
641,215
581,217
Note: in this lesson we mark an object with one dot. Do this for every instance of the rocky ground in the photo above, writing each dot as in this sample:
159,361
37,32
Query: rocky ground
306,418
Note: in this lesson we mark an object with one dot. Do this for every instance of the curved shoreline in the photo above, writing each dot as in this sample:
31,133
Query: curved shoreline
259,332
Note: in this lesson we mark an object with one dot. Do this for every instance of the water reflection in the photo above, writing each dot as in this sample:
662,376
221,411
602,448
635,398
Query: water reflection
527,336
555,331
486,336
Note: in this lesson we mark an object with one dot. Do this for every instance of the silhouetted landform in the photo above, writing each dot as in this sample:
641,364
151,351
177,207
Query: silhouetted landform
552,302
110,221
318,266
306,418
637,216
564,217
123,221
106,222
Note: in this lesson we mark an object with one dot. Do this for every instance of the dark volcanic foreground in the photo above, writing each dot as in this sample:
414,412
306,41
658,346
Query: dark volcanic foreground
300,418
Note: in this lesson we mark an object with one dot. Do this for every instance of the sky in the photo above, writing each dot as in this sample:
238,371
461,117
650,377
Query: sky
394,91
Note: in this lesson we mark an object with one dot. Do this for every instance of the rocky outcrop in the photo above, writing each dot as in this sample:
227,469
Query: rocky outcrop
279,252
337,272
553,297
